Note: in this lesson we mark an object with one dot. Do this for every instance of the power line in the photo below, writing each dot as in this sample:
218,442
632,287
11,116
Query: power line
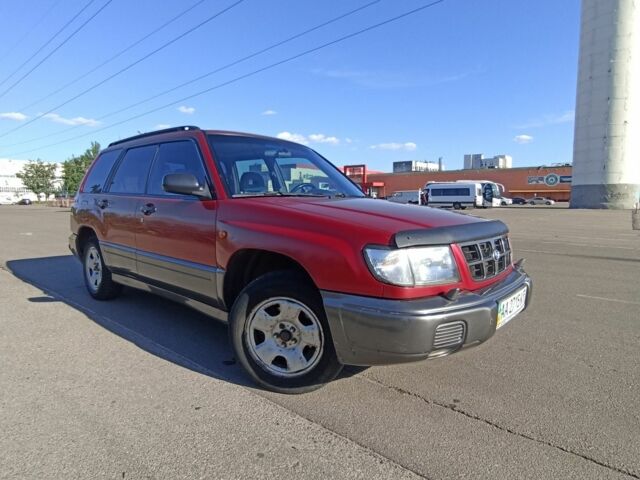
217,70
122,70
69,37
51,39
112,58
29,31
246,75
243,59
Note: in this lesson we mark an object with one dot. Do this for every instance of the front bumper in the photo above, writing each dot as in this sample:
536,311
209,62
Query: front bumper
375,331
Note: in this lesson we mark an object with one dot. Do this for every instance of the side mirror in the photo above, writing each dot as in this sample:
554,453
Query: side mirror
184,184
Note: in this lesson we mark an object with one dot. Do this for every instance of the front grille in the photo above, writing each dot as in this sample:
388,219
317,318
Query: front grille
487,258
449,335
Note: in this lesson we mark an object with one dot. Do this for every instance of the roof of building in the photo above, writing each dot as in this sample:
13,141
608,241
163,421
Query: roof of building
478,170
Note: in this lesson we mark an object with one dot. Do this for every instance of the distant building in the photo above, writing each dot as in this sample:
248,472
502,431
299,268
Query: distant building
525,182
416,166
471,159
12,187
476,161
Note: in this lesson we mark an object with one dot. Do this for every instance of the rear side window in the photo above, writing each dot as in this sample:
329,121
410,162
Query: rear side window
100,171
175,157
450,192
131,175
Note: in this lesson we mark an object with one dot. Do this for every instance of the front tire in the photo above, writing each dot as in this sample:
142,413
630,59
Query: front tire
97,276
280,334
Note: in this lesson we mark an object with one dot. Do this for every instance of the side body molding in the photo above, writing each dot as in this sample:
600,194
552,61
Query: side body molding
202,283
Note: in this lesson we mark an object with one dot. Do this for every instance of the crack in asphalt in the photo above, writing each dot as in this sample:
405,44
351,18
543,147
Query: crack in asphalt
200,368
350,440
472,416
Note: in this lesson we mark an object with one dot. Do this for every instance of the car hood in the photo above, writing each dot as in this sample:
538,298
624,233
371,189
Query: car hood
380,215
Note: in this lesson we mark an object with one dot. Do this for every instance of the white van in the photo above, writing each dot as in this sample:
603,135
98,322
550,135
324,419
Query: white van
456,195
464,193
406,196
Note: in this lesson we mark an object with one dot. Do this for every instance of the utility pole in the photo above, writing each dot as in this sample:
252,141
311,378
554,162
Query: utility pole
606,145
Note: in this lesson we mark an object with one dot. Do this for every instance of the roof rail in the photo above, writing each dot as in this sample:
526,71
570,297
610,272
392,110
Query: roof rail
155,132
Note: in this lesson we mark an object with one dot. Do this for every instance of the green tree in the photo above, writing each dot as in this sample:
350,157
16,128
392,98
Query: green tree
73,170
38,177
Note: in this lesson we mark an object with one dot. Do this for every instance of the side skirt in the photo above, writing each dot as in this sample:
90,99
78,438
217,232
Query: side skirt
214,312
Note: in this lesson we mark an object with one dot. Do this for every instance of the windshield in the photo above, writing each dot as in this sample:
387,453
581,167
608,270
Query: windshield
491,190
266,167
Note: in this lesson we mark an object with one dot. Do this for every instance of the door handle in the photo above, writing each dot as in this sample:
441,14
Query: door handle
148,209
104,203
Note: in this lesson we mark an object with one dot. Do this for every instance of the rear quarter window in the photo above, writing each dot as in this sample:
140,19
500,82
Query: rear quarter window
99,171
131,174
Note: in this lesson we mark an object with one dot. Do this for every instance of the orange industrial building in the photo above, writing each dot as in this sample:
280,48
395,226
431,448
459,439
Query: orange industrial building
526,182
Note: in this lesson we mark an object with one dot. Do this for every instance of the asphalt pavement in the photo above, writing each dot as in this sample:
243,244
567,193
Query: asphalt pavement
141,387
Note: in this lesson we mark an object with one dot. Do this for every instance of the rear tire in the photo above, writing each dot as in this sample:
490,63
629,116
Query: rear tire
97,276
280,334
456,206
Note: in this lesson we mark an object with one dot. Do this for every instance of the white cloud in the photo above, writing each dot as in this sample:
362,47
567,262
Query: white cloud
348,140
269,112
161,126
89,122
322,138
407,146
307,139
550,119
522,139
186,110
372,79
17,116
293,137
565,117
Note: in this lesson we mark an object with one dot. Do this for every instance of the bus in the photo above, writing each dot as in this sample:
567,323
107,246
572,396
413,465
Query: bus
492,193
462,194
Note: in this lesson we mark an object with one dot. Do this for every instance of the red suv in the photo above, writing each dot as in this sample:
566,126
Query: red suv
271,237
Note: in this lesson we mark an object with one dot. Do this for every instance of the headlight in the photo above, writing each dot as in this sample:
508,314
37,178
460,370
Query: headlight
409,267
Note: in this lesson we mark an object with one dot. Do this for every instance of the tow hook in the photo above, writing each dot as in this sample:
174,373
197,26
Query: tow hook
452,294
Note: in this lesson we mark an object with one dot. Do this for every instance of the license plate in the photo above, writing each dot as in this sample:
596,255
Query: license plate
511,306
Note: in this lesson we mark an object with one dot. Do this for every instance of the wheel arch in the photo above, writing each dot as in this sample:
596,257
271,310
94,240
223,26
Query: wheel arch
84,234
246,265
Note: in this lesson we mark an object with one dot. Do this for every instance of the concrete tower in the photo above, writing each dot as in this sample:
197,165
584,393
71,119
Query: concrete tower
606,145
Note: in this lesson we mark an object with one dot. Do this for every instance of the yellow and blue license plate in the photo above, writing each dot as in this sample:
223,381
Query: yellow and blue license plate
511,306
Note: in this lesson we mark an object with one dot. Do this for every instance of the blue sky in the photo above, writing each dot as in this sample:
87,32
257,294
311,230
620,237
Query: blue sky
464,76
